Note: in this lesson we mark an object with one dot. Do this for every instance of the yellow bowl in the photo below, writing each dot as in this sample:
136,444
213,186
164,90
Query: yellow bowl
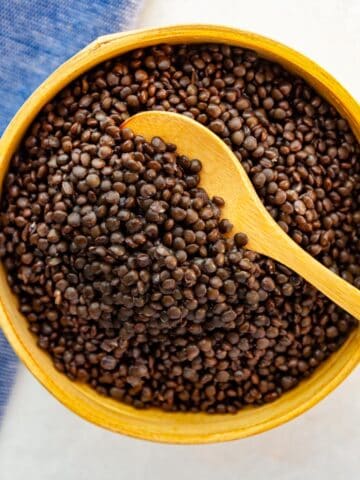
154,424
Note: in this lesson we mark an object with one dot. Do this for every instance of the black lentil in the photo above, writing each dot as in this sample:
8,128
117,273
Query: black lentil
120,260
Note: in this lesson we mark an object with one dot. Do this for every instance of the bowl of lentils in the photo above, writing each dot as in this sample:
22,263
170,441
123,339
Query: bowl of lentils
123,289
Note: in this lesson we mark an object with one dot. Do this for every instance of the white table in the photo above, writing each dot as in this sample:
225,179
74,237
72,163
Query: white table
41,440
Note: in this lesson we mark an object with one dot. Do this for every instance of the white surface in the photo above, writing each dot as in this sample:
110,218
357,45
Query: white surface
41,440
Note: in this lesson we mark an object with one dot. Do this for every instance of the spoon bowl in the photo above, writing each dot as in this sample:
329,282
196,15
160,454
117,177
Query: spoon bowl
222,174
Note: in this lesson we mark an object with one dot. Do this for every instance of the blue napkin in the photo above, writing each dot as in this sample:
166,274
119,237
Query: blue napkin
36,36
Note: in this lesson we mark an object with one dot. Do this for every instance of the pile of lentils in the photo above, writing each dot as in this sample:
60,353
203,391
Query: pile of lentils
123,265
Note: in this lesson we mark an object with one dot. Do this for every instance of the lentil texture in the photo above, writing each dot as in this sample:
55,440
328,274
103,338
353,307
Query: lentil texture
300,154
123,266
128,280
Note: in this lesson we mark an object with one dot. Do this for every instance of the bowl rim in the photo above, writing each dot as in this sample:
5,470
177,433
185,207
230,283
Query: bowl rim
110,46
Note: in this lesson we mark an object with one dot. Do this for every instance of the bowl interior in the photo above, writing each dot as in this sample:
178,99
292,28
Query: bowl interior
153,424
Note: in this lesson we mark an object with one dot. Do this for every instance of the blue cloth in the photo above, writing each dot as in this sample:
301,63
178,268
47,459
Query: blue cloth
36,36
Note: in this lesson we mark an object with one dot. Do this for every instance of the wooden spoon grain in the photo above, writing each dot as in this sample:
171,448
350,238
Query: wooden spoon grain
223,175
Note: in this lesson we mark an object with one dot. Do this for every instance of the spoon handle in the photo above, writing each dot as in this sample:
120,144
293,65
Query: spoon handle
275,243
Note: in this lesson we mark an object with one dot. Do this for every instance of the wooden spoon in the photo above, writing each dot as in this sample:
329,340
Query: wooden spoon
223,175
